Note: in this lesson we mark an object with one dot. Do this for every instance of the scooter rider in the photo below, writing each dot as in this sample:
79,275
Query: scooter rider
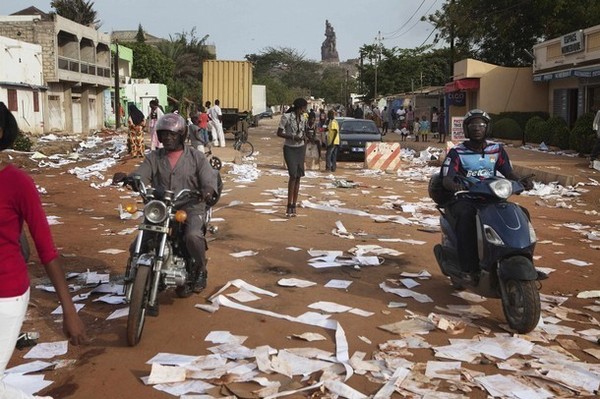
474,159
176,167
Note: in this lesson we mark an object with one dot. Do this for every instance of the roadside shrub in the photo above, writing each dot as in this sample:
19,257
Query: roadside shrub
507,128
582,135
22,143
534,130
520,117
558,132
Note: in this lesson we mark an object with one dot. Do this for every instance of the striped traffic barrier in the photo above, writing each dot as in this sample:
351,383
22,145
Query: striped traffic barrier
382,156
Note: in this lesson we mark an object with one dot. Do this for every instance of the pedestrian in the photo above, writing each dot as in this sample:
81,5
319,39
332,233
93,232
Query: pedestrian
136,123
442,126
19,203
194,133
292,128
424,128
416,127
203,125
401,115
312,133
176,167
386,120
358,112
155,113
596,148
410,117
333,142
216,122
434,120
404,132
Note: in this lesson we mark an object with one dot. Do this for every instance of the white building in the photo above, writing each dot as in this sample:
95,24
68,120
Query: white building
21,81
141,92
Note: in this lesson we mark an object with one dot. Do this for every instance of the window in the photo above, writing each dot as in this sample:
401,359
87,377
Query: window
13,103
36,101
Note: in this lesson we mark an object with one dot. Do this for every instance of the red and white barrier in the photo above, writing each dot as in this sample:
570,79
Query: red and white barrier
382,156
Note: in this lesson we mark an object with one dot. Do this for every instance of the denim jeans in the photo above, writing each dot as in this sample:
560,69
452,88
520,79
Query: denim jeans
331,157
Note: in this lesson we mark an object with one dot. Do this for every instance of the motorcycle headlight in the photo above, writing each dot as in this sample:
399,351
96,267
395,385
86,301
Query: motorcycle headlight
155,211
501,188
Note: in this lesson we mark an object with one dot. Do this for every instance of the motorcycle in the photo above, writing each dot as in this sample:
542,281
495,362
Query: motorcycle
160,259
506,242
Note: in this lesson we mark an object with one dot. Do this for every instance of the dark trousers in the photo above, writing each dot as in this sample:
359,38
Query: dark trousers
463,214
595,150
331,158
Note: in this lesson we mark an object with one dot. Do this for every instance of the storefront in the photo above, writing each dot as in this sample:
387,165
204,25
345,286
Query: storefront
570,64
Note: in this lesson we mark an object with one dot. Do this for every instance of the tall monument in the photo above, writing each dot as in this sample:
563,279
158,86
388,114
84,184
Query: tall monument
328,51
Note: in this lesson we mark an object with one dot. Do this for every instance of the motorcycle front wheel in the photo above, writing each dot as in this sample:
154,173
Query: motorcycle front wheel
521,304
137,306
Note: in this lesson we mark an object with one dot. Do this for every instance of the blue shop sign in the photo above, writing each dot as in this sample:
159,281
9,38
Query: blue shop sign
456,98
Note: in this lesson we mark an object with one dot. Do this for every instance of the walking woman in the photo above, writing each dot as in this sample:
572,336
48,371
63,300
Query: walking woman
136,131
20,202
293,129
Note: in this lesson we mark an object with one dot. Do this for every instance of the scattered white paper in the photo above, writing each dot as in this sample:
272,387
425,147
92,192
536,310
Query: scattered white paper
343,284
47,350
295,282
59,310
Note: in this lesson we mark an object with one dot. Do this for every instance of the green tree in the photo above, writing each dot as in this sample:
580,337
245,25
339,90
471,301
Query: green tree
502,32
402,70
140,37
150,63
186,52
80,11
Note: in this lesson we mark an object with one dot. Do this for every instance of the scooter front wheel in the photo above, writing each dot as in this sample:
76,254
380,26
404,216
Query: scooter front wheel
215,163
137,306
521,304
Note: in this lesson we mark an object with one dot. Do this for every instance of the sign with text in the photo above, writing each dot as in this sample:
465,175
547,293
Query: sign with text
456,98
571,42
457,129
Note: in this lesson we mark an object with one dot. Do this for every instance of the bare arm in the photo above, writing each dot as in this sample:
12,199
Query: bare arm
73,327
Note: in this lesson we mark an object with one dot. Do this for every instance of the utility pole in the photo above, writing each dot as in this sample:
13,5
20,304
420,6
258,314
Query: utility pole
378,40
452,40
117,106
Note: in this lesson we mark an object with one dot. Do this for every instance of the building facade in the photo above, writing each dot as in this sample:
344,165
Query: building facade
570,65
21,83
76,68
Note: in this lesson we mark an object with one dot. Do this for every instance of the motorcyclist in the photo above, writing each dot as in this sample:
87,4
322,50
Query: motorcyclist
474,159
176,167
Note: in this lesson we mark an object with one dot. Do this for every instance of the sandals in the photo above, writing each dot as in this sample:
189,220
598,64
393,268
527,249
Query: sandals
291,211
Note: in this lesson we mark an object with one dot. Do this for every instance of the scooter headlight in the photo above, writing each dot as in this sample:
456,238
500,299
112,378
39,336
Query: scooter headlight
501,188
155,211
532,236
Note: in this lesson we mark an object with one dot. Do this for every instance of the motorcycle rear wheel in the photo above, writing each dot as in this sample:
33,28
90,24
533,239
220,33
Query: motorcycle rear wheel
521,304
246,148
137,306
216,163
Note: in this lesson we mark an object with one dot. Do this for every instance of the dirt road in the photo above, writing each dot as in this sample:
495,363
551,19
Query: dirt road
107,368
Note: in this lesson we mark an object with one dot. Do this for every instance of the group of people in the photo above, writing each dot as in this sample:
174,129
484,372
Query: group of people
207,122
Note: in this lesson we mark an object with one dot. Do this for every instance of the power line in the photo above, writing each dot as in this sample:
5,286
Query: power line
406,23
415,24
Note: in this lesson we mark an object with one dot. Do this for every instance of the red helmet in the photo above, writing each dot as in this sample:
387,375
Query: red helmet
172,123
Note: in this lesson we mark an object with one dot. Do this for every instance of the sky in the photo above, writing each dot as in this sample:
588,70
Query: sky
240,27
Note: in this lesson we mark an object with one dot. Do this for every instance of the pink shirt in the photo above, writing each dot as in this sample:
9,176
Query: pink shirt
203,120
20,201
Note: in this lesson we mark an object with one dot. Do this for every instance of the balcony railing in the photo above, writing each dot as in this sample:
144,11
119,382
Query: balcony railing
70,64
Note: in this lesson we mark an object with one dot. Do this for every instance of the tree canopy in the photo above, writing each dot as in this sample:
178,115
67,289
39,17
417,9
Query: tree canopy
80,11
502,32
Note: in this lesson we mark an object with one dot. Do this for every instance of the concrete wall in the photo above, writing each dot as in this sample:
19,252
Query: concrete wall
21,70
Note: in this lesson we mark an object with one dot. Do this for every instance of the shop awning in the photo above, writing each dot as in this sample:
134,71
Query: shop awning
462,84
588,72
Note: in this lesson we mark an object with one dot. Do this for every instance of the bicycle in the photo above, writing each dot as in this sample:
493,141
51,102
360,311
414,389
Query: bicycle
242,144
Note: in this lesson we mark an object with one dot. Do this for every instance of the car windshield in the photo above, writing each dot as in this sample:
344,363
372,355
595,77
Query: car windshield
359,127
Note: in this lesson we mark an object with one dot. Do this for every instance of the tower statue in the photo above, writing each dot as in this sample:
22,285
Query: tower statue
328,51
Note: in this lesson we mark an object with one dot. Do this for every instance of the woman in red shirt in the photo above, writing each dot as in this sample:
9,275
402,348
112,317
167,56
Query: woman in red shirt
19,202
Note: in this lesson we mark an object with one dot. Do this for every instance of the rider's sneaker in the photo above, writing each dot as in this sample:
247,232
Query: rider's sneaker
152,310
200,283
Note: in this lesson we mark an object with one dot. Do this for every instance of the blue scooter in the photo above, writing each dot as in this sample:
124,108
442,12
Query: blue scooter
506,241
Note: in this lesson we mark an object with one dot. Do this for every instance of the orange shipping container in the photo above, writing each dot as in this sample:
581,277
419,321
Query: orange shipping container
228,81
